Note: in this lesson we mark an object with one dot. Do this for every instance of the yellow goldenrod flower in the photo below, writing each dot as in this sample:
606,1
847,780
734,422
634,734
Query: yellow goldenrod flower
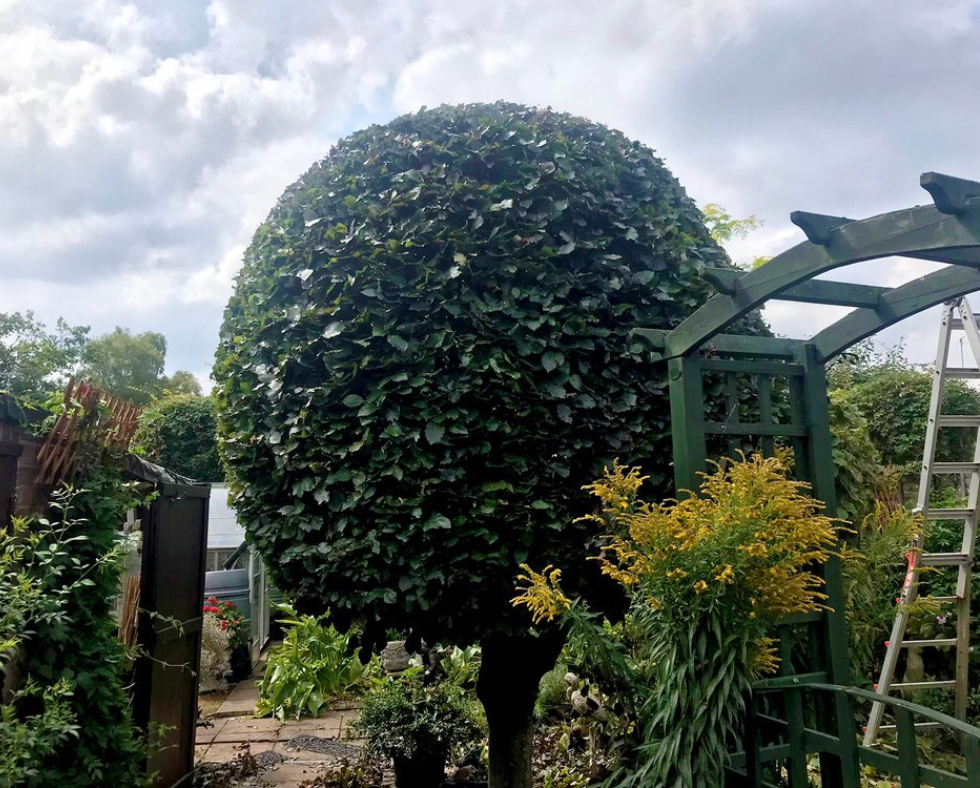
700,587
542,595
676,574
727,575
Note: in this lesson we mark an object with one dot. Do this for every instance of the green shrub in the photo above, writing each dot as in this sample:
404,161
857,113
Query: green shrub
405,717
314,664
552,694
179,432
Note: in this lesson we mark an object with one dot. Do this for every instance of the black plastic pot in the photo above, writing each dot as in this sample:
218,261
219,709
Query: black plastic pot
424,770
241,664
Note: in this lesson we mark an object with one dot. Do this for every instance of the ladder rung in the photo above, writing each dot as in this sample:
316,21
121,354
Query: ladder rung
945,559
958,421
947,514
956,467
917,725
943,598
956,323
963,373
937,642
924,685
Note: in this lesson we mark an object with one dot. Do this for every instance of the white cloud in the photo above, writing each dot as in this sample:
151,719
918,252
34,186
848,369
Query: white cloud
143,142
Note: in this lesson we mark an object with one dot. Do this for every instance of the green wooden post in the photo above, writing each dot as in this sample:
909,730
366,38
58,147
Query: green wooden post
687,422
843,770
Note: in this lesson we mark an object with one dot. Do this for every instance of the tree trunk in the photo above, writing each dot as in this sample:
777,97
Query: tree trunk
510,671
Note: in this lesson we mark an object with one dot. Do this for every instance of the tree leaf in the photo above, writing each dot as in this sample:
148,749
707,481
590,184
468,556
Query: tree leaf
397,342
434,433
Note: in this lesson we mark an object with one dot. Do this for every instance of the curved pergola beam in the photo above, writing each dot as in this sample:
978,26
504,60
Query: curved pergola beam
895,305
924,231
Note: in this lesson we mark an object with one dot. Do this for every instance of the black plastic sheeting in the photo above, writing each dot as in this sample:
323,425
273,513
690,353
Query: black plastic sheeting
146,471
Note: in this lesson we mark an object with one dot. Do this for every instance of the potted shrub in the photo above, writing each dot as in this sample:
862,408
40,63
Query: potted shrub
416,725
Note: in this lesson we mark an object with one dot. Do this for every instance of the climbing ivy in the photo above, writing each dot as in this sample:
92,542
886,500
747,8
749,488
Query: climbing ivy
429,352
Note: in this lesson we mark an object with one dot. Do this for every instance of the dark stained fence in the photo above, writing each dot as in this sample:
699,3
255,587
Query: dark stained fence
10,450
174,529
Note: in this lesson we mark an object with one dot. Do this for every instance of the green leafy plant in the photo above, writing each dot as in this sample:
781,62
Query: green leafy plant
406,719
26,738
461,666
60,581
314,664
857,463
430,350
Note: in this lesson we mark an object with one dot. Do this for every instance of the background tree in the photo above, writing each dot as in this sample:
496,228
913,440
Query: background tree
429,353
131,366
179,432
182,382
35,361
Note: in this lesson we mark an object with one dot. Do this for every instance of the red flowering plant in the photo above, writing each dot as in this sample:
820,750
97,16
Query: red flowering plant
231,619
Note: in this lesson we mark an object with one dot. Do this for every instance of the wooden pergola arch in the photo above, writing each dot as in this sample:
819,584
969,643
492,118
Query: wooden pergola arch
809,707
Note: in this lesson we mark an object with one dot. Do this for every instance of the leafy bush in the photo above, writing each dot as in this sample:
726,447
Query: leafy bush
857,463
552,693
179,432
405,717
874,567
314,664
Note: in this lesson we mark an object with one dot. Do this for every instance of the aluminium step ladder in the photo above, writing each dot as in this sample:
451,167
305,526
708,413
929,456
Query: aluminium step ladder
918,557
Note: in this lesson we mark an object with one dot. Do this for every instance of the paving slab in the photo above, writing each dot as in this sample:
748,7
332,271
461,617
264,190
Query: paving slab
205,735
241,700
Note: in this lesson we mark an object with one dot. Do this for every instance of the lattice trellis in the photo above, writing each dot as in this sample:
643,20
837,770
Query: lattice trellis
99,418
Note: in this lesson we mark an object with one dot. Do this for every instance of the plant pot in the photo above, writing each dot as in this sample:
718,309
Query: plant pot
423,770
241,664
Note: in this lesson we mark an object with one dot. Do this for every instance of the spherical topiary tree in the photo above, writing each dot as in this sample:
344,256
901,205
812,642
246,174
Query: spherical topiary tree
429,353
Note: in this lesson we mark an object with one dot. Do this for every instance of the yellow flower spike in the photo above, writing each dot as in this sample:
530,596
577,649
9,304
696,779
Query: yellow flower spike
700,587
542,595
677,574
727,575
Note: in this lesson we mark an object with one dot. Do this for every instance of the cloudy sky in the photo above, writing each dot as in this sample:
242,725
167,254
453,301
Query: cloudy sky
142,142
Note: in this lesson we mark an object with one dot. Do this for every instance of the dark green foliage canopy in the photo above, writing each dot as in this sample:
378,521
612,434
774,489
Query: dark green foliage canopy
180,434
429,353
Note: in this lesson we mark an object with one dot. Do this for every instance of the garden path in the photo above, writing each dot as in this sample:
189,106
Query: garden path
303,746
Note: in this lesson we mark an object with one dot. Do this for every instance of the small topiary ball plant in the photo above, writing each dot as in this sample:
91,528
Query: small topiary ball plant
429,352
